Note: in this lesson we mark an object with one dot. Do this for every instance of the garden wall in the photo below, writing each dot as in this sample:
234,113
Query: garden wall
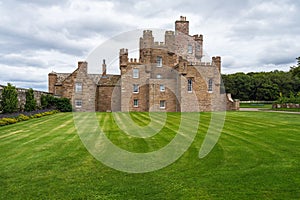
22,96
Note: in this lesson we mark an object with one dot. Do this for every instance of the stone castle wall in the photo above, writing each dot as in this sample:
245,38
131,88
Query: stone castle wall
180,56
22,96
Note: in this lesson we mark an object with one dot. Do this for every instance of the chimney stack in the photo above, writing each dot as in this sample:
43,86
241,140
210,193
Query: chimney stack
182,26
103,68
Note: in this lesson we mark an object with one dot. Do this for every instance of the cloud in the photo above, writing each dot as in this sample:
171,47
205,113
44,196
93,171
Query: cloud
41,36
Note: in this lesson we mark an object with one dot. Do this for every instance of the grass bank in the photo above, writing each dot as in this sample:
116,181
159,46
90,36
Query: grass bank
256,157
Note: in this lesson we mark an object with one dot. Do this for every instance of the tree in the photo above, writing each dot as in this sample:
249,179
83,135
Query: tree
296,70
30,104
44,101
9,102
264,86
63,104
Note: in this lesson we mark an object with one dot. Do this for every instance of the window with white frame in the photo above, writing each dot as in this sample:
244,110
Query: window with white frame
210,85
78,103
162,104
158,76
162,87
135,73
78,87
135,88
159,61
190,85
190,48
135,103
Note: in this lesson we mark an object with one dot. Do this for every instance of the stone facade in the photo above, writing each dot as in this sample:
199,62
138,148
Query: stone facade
169,76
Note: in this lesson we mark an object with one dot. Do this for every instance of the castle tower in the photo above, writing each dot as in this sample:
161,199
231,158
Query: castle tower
103,68
170,40
147,41
199,46
182,25
52,79
123,58
216,61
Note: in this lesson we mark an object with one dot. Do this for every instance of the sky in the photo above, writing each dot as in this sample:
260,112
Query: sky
41,36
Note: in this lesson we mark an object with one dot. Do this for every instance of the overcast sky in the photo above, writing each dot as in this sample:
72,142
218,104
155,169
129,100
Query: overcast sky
39,36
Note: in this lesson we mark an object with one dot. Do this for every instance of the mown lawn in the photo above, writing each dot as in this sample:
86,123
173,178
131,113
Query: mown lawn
256,157
256,105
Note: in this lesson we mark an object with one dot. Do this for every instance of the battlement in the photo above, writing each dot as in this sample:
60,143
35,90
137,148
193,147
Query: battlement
216,61
169,33
204,64
133,61
147,33
198,37
123,51
159,43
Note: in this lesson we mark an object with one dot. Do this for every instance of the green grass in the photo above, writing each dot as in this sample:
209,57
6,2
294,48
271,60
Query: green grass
255,105
256,157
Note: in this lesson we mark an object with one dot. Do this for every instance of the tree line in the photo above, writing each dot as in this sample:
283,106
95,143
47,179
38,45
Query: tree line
9,101
263,86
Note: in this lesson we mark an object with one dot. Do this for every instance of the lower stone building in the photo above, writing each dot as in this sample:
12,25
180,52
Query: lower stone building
169,76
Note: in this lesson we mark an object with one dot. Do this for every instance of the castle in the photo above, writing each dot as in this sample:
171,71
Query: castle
169,76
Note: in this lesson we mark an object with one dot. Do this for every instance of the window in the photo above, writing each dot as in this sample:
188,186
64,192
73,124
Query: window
135,103
210,85
162,104
78,87
162,88
158,76
135,73
159,61
190,85
190,48
78,103
135,88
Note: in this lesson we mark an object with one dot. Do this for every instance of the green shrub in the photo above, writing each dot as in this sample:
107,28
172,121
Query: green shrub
3,123
63,104
22,117
9,120
37,115
9,99
30,104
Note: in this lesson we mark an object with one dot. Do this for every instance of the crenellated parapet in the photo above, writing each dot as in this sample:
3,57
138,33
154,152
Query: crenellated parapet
123,57
147,40
133,61
216,61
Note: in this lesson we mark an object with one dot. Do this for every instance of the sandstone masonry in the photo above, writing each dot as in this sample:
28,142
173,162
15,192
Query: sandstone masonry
169,76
